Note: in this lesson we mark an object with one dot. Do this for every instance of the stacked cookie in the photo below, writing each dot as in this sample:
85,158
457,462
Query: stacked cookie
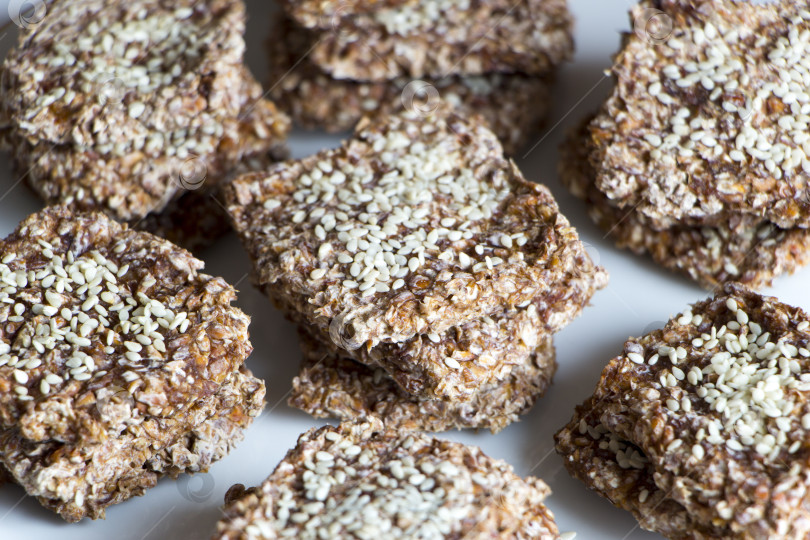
700,428
425,272
361,480
334,62
119,362
125,106
700,155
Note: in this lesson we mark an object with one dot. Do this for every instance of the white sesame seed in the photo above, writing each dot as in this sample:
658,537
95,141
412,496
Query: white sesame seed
635,358
136,109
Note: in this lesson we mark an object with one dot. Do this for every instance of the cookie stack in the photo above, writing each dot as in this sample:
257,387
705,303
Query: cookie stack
119,362
426,273
700,156
334,62
125,106
701,428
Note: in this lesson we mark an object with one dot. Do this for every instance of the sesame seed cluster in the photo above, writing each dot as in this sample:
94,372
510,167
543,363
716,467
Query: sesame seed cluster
513,105
745,248
108,103
416,247
705,136
361,480
373,41
331,386
701,418
119,362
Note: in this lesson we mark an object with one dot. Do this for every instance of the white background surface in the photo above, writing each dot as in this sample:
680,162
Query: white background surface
640,297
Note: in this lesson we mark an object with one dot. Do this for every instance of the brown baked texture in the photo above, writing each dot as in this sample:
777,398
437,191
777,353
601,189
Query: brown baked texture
700,428
743,248
514,105
454,364
414,228
198,218
331,386
435,39
709,120
112,124
119,361
361,480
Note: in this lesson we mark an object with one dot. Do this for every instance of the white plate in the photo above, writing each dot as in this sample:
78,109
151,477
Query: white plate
640,296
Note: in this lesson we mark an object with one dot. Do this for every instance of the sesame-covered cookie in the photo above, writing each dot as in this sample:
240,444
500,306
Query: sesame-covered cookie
709,119
514,105
108,105
376,41
743,248
361,480
119,362
700,428
414,228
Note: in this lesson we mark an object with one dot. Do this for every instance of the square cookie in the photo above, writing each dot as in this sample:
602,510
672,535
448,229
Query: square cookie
363,480
742,248
112,124
708,117
373,42
700,428
332,386
119,362
413,228
514,105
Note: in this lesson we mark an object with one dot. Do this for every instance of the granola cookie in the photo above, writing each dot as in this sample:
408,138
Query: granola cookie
105,104
362,480
743,248
711,120
414,228
514,105
331,386
700,428
119,362
435,38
